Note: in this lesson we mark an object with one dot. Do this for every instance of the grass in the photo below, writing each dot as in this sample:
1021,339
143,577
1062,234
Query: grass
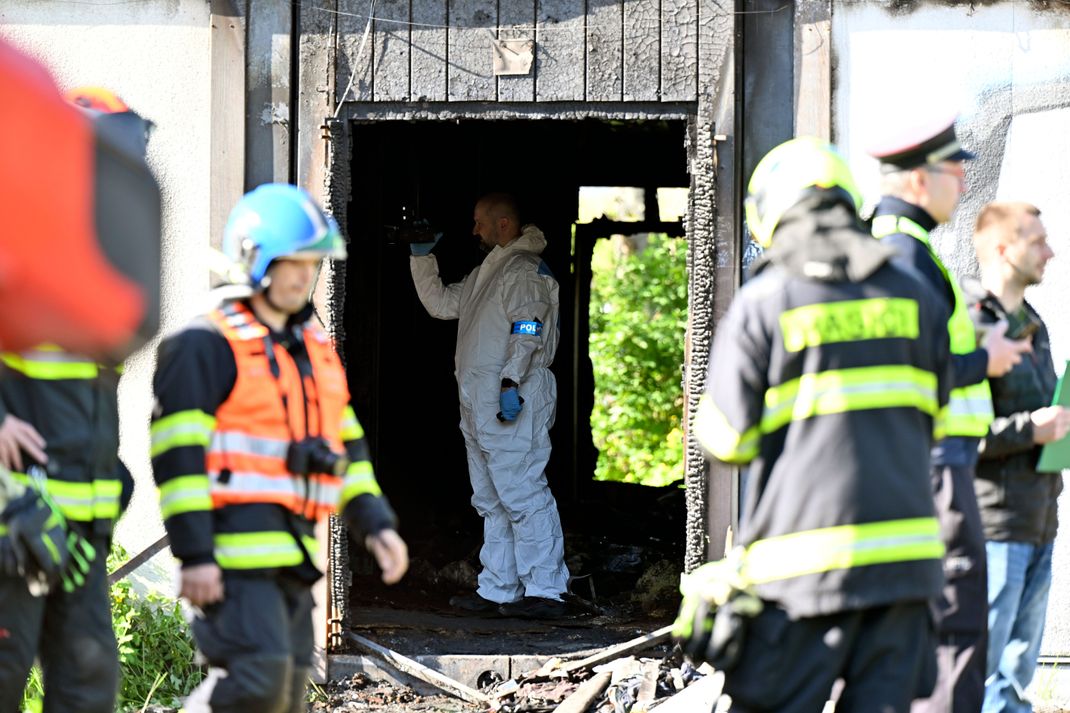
155,650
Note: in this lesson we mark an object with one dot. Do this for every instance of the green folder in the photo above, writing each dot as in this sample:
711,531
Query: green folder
1055,456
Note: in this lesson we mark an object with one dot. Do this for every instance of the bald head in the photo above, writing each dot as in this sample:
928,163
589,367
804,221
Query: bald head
495,220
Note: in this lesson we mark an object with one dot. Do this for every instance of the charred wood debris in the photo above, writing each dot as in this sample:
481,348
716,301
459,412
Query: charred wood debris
614,680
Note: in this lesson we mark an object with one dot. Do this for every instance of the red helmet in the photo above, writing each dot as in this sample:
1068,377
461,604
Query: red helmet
80,249
97,99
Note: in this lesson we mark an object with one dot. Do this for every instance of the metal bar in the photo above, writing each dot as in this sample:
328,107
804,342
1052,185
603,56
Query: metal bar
137,560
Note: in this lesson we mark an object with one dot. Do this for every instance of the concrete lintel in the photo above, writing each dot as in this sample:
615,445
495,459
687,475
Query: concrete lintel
649,111
465,669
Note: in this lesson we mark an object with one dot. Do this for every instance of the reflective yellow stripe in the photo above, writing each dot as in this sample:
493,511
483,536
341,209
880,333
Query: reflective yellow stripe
843,390
323,492
359,480
719,438
49,366
84,502
843,547
850,320
351,428
254,550
186,493
183,428
969,411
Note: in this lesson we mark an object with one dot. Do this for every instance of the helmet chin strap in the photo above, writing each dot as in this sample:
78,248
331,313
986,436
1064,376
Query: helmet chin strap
265,283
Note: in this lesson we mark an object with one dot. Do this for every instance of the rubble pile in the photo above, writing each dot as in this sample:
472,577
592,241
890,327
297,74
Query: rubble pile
613,680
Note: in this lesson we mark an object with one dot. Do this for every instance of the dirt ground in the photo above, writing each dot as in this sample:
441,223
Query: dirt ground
360,693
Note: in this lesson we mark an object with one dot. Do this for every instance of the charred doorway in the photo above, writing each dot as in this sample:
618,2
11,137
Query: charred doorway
400,360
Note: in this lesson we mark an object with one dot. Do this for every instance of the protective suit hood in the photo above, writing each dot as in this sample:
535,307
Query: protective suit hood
531,240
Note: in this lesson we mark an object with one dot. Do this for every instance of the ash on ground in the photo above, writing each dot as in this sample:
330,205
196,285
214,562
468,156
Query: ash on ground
360,692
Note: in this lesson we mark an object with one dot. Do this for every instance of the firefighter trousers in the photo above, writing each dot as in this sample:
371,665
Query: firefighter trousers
259,641
963,608
884,655
71,635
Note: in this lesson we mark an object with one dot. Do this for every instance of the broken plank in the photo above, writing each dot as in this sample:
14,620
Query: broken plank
628,647
412,668
585,695
648,689
701,695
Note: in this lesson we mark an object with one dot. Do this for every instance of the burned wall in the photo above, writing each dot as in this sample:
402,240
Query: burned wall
584,50
1006,68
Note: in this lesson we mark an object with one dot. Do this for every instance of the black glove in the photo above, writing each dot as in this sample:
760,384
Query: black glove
38,536
11,556
717,602
82,555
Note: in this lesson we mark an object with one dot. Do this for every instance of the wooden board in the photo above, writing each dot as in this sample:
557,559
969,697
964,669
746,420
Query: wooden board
679,50
473,24
642,50
391,50
605,50
516,19
355,59
227,136
267,94
715,272
427,54
813,69
559,50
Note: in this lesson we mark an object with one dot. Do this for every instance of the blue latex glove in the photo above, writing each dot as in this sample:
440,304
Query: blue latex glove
510,403
421,249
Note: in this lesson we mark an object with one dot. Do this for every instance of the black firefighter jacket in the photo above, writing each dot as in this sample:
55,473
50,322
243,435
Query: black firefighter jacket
825,376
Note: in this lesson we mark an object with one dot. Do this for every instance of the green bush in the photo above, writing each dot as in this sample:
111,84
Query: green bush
638,318
155,649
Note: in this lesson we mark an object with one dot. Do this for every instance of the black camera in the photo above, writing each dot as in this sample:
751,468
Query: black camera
410,230
1021,325
314,455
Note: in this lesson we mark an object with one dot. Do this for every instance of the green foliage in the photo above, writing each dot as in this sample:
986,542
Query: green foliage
155,649
638,318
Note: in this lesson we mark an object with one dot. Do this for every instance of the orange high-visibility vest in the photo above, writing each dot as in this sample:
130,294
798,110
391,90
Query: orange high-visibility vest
246,459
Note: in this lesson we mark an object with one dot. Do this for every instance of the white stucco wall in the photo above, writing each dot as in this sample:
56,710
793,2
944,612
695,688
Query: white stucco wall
155,55
1006,68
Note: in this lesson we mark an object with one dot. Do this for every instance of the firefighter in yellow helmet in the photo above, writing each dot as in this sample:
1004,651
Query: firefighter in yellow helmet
826,376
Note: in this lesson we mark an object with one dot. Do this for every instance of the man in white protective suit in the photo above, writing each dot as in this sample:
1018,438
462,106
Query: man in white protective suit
507,333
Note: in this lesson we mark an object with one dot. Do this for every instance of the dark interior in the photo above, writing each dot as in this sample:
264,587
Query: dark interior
400,360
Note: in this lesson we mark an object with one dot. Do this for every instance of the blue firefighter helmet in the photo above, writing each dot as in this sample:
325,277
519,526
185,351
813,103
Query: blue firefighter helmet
277,220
